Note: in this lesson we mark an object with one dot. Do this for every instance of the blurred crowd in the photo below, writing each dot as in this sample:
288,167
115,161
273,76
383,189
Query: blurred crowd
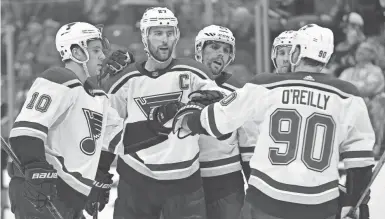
358,26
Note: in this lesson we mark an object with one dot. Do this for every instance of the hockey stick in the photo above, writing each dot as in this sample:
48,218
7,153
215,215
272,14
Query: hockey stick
376,171
95,216
50,206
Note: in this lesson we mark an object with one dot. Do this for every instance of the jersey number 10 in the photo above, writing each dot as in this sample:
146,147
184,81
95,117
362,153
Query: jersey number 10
42,104
291,137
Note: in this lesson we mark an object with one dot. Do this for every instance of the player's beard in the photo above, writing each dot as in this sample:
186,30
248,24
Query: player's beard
284,69
161,53
215,66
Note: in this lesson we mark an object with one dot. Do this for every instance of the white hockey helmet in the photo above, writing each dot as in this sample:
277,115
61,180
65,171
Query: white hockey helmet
214,33
155,17
77,33
315,42
283,39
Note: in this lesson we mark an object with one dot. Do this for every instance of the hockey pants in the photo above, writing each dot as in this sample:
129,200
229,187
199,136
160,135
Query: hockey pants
250,212
228,207
151,203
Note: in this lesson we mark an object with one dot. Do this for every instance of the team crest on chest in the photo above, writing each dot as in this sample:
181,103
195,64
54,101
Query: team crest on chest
146,103
94,122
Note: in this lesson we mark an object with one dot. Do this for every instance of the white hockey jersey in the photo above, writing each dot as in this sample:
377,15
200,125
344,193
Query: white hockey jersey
306,122
134,92
222,156
74,125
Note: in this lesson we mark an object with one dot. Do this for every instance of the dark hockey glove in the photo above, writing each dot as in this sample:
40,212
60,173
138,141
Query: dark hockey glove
205,97
187,120
40,183
160,116
100,193
117,61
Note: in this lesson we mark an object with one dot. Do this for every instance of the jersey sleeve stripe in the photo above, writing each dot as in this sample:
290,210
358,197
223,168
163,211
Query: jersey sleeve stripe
243,150
294,188
114,142
220,162
211,121
356,154
119,83
173,166
193,70
31,125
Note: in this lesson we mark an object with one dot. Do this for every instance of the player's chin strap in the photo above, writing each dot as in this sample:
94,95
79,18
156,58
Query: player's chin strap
83,63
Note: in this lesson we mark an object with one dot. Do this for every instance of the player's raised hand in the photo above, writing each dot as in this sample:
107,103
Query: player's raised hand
117,61
160,117
205,97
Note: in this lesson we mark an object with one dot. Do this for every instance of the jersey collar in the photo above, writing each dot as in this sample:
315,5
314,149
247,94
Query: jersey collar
153,74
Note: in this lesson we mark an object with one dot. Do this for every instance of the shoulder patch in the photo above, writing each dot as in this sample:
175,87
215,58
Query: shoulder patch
114,83
193,66
62,76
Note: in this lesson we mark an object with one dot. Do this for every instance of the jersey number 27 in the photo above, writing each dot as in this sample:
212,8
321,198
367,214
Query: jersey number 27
318,132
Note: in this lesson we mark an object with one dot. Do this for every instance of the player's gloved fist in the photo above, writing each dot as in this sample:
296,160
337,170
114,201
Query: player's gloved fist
117,61
160,116
40,180
100,193
187,119
205,97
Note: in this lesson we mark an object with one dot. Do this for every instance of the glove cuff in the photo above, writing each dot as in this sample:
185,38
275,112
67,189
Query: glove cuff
194,123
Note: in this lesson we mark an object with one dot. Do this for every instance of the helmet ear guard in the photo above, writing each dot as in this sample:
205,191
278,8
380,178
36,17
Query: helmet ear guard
314,42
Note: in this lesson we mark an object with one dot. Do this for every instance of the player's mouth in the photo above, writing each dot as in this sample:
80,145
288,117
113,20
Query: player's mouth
163,49
217,63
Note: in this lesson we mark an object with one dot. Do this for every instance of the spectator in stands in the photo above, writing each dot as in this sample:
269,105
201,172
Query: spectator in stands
344,55
241,24
366,75
369,79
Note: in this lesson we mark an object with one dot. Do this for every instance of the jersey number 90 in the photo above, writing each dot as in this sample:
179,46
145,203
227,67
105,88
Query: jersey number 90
318,132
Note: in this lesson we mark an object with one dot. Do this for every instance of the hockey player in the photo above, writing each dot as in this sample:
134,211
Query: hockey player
59,134
280,56
306,121
280,51
220,159
159,170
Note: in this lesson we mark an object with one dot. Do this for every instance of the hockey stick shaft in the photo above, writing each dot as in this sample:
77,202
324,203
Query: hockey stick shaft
50,206
95,216
376,171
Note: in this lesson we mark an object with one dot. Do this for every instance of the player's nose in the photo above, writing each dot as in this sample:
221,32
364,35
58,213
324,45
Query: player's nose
102,56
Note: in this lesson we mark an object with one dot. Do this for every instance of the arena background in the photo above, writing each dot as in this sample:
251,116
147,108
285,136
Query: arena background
28,30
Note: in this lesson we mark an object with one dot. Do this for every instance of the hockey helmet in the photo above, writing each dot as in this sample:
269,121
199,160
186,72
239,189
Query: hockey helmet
214,33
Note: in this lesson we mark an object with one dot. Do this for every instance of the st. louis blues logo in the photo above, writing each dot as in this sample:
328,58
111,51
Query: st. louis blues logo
94,121
145,104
